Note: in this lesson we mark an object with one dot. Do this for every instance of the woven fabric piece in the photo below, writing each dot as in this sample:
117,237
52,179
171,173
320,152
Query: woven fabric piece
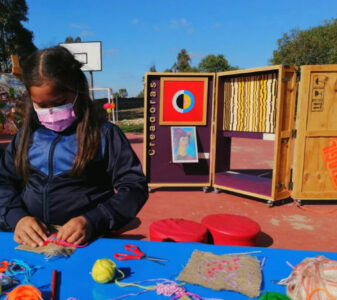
49,250
250,103
224,272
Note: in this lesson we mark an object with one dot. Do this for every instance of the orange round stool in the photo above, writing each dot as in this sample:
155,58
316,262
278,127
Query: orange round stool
178,230
232,229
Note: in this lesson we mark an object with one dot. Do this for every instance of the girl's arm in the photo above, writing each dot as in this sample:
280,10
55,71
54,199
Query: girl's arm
11,206
127,178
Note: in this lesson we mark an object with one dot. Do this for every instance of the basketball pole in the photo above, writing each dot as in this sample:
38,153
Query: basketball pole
91,85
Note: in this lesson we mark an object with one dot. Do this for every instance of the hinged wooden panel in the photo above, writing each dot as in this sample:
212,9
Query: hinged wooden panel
250,103
315,155
284,135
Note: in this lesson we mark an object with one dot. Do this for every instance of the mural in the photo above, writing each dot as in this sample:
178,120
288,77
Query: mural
12,98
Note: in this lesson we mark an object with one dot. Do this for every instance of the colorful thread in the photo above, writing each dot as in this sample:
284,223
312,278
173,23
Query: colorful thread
290,265
52,239
120,284
262,263
167,288
229,265
3,265
24,292
20,267
317,290
170,289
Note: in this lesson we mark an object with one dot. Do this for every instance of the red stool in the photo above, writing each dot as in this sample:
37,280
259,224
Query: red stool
178,230
232,229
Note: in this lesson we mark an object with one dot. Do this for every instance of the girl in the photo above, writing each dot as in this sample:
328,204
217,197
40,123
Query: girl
65,167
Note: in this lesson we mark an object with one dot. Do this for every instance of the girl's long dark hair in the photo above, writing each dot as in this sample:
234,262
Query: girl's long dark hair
58,67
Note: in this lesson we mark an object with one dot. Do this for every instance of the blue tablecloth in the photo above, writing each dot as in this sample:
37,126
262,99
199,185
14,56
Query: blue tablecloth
75,279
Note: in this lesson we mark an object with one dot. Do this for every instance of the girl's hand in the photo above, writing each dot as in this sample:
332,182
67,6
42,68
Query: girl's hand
30,231
75,231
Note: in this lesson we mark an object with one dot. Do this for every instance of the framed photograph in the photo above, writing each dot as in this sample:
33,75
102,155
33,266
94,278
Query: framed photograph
184,145
183,100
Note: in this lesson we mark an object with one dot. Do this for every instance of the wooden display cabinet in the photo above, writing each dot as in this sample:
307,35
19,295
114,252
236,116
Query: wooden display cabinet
294,107
304,131
255,103
165,110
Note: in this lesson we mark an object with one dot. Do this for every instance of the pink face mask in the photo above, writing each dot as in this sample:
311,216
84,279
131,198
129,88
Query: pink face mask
57,118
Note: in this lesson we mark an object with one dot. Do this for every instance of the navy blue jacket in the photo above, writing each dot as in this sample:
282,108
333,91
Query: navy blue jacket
108,194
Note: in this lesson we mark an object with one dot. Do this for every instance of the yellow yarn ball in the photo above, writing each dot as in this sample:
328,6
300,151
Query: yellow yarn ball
103,270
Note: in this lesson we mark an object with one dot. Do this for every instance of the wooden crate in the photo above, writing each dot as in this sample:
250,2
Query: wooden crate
315,154
250,103
158,166
302,125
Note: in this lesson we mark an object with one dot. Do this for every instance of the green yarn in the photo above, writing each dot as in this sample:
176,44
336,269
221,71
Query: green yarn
273,296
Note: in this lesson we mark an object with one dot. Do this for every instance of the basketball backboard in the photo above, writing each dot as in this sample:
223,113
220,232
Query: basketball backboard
88,53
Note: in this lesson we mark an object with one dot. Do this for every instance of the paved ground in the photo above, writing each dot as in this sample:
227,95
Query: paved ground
284,226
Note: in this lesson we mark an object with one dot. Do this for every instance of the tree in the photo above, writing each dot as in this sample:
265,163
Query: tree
183,62
122,93
70,39
153,68
212,63
317,45
141,94
14,38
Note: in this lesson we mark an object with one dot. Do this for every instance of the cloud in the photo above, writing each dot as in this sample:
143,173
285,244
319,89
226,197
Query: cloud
156,28
174,24
173,49
190,30
182,24
217,25
111,51
86,33
195,55
135,21
125,75
79,26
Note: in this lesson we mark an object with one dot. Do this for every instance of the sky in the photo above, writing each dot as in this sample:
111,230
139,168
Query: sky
137,34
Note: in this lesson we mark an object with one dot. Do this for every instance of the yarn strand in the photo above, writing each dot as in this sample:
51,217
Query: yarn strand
52,239
317,290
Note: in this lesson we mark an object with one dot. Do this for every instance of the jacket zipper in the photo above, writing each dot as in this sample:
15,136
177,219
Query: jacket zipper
46,215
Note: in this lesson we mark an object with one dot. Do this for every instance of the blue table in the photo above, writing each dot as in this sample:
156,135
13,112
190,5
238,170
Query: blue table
76,281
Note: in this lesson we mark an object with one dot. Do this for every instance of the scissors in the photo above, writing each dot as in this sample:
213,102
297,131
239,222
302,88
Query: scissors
138,255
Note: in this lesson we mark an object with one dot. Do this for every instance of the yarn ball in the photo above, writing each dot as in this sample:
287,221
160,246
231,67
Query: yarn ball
273,296
103,270
25,292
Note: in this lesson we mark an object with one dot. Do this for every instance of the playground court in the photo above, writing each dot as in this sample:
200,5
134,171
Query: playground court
287,226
